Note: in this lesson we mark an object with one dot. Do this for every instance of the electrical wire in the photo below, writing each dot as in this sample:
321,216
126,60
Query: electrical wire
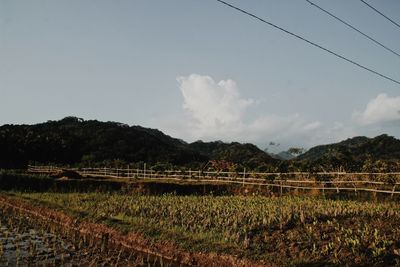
311,43
380,13
354,28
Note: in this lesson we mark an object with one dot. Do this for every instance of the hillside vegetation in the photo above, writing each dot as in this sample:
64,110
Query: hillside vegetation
237,153
78,142
361,153
72,140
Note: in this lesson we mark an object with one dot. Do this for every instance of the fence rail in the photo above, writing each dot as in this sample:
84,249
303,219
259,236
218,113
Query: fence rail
324,181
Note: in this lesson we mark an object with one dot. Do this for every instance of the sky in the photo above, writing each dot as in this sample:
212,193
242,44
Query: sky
196,69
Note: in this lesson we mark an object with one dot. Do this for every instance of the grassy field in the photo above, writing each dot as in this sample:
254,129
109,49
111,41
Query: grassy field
283,230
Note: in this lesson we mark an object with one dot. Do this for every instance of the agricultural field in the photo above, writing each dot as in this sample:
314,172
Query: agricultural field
25,241
282,231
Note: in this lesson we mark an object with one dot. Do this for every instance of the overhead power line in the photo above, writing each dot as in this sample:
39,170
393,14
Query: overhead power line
310,42
354,28
380,13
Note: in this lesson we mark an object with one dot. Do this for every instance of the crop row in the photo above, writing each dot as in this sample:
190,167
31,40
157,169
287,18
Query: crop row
256,226
25,241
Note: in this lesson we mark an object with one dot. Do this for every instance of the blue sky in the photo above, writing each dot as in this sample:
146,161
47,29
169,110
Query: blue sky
199,70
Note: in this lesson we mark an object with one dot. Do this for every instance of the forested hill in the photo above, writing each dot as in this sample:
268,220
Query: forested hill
73,140
237,153
77,141
355,153
89,142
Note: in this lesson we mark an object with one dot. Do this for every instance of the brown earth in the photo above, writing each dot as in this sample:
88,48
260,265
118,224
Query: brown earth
130,241
66,175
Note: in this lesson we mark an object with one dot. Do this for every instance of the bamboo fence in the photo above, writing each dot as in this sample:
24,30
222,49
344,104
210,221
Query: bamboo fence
324,181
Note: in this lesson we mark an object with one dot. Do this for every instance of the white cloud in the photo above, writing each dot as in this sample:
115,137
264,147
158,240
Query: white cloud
218,112
380,109
212,105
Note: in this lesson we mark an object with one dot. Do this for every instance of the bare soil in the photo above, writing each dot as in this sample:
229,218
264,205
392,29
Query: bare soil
131,242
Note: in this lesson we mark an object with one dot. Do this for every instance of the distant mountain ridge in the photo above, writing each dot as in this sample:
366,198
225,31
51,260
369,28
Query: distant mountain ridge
90,142
283,155
379,147
235,152
73,140
354,152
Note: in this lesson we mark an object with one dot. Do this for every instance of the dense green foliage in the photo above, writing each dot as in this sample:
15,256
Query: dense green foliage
378,154
280,230
243,155
73,140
